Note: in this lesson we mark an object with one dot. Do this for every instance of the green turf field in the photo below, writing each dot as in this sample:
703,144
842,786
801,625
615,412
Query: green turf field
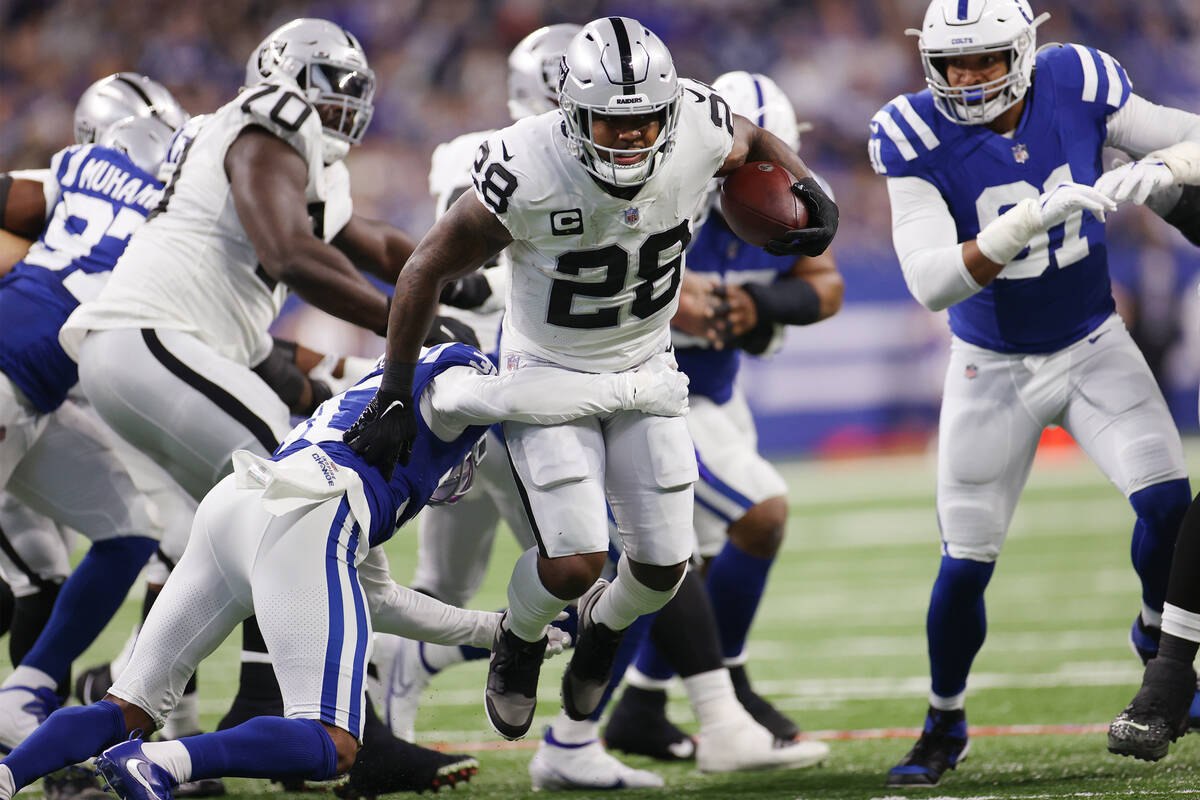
840,644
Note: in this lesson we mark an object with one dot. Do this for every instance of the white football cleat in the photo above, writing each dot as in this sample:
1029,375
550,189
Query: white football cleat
404,676
556,767
22,709
745,745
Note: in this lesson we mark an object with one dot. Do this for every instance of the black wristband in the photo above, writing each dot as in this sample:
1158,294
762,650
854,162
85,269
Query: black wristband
279,371
397,379
788,301
1186,214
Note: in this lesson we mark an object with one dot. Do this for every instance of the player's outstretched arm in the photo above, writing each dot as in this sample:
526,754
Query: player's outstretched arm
462,396
752,143
399,610
375,247
267,177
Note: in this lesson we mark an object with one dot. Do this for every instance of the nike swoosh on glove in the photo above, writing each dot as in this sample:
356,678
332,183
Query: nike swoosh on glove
1135,181
822,223
385,431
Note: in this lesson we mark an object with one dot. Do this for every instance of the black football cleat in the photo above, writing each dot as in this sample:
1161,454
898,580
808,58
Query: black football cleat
764,713
638,725
511,694
389,765
587,676
1158,713
93,684
942,745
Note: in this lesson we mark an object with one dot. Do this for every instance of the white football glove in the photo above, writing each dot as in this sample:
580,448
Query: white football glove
1007,235
659,388
1136,180
557,640
1065,199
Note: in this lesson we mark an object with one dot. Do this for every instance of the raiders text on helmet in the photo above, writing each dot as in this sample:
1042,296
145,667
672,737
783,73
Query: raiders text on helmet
616,66
328,66
969,27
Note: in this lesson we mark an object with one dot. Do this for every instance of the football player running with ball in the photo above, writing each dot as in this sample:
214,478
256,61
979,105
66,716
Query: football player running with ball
994,216
594,201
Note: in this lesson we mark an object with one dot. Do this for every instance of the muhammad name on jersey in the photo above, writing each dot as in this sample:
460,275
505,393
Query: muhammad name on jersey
1057,289
596,277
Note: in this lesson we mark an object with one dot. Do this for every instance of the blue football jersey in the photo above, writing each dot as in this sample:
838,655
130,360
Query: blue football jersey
717,251
393,502
1057,289
102,198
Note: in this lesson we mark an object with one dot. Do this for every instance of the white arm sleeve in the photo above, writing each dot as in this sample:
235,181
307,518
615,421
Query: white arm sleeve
461,396
399,610
926,242
1140,127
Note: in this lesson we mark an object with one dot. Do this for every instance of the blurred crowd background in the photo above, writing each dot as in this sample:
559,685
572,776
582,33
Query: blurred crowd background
869,377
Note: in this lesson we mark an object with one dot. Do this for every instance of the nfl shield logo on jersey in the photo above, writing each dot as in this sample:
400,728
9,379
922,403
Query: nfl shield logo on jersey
632,217
1020,153
971,372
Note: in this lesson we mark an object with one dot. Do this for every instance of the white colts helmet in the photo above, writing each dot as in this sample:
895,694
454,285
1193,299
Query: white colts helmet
329,68
616,66
968,27
533,68
123,95
760,100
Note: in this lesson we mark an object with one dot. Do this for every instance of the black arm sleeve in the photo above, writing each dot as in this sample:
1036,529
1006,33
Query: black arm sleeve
1186,214
788,301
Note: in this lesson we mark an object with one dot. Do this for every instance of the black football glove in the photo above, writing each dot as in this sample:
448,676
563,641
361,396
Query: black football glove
385,431
822,223
468,292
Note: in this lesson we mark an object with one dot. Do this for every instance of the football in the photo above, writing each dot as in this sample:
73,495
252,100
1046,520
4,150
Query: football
758,202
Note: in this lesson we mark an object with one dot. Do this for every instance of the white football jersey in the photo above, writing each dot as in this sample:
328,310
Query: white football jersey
191,267
449,177
595,278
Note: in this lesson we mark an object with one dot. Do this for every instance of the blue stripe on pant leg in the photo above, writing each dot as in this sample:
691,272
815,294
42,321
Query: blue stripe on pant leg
709,507
333,650
360,648
712,480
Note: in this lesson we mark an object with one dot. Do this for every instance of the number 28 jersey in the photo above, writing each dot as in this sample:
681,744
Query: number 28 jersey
192,267
1057,289
595,278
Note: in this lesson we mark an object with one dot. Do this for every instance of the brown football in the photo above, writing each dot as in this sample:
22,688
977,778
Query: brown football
758,202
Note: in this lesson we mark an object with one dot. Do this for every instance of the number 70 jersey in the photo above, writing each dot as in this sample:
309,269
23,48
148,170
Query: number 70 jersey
595,278
1057,289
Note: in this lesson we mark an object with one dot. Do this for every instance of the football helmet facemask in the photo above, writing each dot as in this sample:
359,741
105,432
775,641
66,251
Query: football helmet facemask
119,96
969,27
459,479
533,67
329,68
616,67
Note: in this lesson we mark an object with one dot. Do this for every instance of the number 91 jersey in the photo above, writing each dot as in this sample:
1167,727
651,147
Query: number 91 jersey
192,267
595,278
1057,289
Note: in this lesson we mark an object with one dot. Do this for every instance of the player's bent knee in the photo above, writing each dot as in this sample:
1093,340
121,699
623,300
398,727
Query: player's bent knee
1167,500
136,718
568,577
759,531
660,579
